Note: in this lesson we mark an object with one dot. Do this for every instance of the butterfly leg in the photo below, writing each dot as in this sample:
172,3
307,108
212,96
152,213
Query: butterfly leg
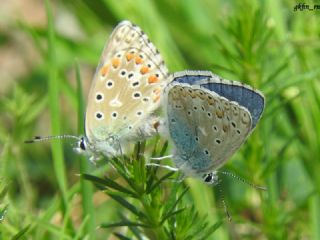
161,158
163,166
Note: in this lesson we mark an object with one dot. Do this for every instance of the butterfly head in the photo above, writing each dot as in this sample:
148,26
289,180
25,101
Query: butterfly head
210,178
82,146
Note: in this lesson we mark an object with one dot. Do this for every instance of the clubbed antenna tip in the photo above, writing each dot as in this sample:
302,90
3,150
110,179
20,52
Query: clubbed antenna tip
35,138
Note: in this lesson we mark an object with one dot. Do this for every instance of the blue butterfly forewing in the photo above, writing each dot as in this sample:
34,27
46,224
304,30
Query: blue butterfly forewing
247,97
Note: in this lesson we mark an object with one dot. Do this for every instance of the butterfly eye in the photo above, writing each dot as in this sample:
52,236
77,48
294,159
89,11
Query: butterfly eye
208,178
82,144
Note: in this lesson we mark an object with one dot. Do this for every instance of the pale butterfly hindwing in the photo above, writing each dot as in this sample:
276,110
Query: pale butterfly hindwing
206,128
125,91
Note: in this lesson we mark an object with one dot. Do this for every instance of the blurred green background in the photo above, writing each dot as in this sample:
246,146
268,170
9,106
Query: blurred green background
266,44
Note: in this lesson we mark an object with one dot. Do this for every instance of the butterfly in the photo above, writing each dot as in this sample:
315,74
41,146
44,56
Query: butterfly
125,91
208,119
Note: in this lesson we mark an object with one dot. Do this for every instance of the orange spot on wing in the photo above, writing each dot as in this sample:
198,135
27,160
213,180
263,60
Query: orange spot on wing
144,70
115,62
139,60
156,98
157,91
225,128
104,70
153,79
183,92
129,56
219,114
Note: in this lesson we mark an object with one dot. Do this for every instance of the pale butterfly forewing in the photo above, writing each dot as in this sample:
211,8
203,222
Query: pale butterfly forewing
205,127
126,89
243,94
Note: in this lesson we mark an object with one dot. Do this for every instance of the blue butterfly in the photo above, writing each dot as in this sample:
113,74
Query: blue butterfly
208,119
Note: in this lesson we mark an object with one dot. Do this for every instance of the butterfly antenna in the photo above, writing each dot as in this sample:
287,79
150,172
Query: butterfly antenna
243,180
48,138
223,201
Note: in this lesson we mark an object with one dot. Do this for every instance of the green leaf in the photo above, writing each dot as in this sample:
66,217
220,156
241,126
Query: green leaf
123,224
108,183
21,233
170,214
211,230
170,211
127,205
148,191
120,236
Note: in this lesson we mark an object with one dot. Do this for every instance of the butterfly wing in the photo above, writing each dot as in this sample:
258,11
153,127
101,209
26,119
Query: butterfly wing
191,77
246,96
243,94
206,128
126,87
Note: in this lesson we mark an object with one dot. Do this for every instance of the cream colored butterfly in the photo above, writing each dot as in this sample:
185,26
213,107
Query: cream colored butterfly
125,91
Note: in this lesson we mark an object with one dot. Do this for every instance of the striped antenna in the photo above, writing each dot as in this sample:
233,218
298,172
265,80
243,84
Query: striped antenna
48,138
224,204
243,180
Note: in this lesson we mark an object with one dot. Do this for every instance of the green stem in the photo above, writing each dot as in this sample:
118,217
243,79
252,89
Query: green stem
152,213
53,85
86,187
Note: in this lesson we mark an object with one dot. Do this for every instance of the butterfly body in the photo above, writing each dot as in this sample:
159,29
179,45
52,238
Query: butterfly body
206,127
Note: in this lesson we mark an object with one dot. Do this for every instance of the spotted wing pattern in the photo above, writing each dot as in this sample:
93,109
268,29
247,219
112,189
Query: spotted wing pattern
206,128
245,95
126,88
